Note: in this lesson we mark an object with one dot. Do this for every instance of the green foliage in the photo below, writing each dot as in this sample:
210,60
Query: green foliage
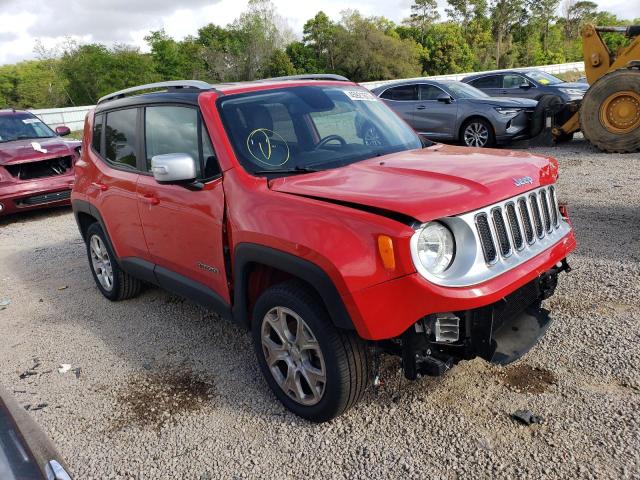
477,35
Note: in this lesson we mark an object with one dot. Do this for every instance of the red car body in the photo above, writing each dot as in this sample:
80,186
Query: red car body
38,177
248,231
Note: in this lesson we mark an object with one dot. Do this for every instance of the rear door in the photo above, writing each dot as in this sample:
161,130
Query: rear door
403,99
183,226
434,118
115,151
489,84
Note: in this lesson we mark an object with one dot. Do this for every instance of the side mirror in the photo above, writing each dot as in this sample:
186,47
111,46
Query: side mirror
525,85
444,98
174,168
61,131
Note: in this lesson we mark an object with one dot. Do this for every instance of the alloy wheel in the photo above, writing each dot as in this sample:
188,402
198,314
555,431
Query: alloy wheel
293,356
476,135
101,262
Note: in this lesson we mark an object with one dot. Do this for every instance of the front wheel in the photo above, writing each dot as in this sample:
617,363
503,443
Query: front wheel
316,371
478,132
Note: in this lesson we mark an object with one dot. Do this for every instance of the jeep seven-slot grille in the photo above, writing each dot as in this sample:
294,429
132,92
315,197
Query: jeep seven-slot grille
519,220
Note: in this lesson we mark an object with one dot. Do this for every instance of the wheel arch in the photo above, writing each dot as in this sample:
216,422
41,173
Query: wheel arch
85,215
275,266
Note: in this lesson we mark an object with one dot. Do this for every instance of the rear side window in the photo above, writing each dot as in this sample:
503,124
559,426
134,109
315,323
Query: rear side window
97,133
492,81
403,93
176,129
121,137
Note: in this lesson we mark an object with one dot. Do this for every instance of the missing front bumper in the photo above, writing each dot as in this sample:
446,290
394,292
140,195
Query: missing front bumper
499,333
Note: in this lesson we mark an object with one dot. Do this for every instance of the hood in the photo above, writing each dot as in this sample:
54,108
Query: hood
576,85
426,184
21,151
504,102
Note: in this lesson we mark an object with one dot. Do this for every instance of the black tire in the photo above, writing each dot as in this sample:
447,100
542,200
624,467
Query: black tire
491,134
592,103
564,137
123,285
547,103
347,362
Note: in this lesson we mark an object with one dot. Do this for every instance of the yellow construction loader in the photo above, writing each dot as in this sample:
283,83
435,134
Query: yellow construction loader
609,115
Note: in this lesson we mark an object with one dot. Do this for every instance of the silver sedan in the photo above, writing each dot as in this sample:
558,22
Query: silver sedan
455,111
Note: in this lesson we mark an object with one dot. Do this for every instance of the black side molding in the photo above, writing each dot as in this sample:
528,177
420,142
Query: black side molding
247,254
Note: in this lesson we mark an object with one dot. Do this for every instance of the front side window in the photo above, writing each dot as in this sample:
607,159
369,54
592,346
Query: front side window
430,92
311,127
177,129
513,81
22,126
403,93
491,81
121,137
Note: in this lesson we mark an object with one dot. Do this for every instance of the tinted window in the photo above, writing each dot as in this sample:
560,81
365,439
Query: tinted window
121,137
492,81
175,129
430,92
406,93
97,132
513,81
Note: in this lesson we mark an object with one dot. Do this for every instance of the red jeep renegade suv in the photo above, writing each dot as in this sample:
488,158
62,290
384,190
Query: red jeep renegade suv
305,210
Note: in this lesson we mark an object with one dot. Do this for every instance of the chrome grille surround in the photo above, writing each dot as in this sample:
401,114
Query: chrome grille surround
499,237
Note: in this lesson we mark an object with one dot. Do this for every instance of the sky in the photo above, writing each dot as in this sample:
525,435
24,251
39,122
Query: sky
23,22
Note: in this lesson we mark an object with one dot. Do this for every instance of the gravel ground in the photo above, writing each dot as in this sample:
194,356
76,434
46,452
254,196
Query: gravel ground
166,390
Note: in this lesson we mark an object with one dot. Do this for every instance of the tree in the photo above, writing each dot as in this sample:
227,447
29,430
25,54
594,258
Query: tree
446,53
505,14
303,58
320,34
278,65
543,13
423,14
575,14
466,11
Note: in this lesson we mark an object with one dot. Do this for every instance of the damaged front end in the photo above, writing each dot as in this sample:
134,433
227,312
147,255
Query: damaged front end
499,333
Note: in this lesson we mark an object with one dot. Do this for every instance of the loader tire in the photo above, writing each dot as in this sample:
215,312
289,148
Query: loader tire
610,112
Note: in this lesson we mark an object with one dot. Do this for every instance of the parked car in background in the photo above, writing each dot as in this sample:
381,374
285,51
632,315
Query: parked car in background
309,213
582,80
36,165
534,84
455,111
25,451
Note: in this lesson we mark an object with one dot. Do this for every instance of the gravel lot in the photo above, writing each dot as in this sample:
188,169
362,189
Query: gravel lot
166,390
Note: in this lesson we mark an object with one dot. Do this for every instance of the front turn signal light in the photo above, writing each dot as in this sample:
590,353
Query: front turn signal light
385,247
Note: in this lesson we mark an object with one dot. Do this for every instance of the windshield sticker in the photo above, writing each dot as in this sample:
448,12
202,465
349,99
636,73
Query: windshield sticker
543,81
29,121
268,148
360,95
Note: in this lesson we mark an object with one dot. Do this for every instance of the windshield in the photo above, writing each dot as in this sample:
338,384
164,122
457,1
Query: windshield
543,78
462,90
312,128
21,125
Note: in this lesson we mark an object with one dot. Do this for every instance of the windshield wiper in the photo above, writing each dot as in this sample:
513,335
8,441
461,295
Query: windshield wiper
295,170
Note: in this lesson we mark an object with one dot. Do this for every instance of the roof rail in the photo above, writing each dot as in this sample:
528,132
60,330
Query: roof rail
170,85
310,76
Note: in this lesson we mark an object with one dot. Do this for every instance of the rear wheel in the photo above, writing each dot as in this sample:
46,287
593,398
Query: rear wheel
610,112
478,132
114,283
315,370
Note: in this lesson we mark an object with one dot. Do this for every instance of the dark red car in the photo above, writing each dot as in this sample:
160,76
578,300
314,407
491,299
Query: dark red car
36,165
308,212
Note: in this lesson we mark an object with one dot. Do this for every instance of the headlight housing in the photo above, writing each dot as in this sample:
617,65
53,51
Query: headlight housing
508,110
435,247
574,92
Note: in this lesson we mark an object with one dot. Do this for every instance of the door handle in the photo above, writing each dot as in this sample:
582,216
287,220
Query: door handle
150,199
421,107
100,186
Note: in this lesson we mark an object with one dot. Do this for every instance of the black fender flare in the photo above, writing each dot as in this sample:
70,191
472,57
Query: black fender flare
248,253
82,206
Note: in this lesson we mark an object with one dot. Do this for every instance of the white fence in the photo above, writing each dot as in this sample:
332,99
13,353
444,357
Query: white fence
73,117
553,69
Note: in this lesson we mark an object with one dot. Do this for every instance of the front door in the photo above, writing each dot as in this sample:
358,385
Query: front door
183,226
434,118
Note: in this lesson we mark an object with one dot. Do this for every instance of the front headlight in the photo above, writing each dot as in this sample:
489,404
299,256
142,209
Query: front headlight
508,110
435,247
574,92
